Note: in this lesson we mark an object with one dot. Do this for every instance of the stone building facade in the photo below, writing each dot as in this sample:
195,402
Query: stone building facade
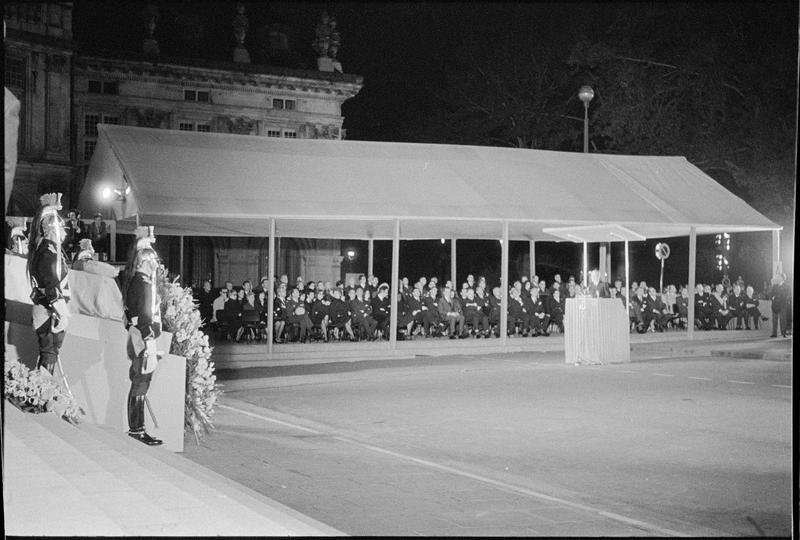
65,93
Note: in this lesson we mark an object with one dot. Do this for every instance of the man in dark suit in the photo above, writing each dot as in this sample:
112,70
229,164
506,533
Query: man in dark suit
653,311
554,306
597,288
540,320
381,309
99,235
702,309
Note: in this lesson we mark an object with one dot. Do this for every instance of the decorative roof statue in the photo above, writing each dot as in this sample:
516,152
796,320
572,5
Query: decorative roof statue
150,17
240,26
326,44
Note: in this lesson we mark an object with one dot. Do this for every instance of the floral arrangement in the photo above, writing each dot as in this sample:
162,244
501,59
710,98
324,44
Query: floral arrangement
180,316
35,390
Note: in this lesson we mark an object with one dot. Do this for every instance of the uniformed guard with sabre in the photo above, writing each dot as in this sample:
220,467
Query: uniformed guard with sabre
47,269
143,322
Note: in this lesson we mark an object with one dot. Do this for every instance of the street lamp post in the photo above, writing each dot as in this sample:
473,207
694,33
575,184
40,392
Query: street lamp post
586,94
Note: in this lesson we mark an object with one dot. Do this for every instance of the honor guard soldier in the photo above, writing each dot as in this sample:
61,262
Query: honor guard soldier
143,322
47,270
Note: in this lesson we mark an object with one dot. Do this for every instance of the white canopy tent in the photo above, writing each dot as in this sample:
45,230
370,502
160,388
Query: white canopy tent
214,184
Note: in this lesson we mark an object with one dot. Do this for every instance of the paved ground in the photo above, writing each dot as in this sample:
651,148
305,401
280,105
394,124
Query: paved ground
517,444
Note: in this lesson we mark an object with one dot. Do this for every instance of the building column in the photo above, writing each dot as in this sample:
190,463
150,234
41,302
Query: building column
692,279
532,258
271,293
504,286
393,285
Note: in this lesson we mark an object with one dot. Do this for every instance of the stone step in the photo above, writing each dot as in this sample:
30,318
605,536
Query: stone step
126,488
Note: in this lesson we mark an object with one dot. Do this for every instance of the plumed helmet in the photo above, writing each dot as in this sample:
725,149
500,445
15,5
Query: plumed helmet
144,237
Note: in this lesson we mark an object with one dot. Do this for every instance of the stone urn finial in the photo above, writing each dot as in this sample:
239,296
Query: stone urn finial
240,26
150,17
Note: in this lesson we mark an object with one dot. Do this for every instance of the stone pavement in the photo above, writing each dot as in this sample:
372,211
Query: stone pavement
62,480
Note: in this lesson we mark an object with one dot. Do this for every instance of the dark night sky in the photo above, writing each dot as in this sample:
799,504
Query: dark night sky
402,50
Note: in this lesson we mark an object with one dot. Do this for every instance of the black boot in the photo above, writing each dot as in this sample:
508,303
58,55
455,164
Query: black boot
136,421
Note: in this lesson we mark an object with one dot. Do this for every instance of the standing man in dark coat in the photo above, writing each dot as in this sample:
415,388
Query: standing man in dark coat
779,295
74,234
143,323
47,269
99,234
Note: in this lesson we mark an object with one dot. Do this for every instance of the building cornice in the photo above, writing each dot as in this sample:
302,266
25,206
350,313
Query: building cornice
239,76
25,39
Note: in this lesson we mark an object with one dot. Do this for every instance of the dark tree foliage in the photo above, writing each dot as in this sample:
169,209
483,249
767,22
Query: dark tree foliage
718,87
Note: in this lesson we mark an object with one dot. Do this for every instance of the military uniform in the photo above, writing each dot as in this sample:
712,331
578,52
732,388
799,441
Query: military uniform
50,293
143,322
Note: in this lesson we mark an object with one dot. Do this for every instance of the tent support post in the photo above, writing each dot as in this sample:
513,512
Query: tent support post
453,264
370,256
692,279
627,287
180,261
532,257
776,253
112,235
585,265
271,293
602,266
278,265
504,286
393,285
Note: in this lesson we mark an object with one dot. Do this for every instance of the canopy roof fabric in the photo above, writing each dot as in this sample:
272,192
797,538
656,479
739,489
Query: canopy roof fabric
214,184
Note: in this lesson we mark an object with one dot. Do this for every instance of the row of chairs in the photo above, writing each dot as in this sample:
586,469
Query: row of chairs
254,329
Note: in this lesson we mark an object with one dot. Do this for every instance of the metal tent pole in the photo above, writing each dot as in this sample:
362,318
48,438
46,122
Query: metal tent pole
271,294
776,253
370,256
627,285
504,286
180,261
585,265
453,264
393,289
692,278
